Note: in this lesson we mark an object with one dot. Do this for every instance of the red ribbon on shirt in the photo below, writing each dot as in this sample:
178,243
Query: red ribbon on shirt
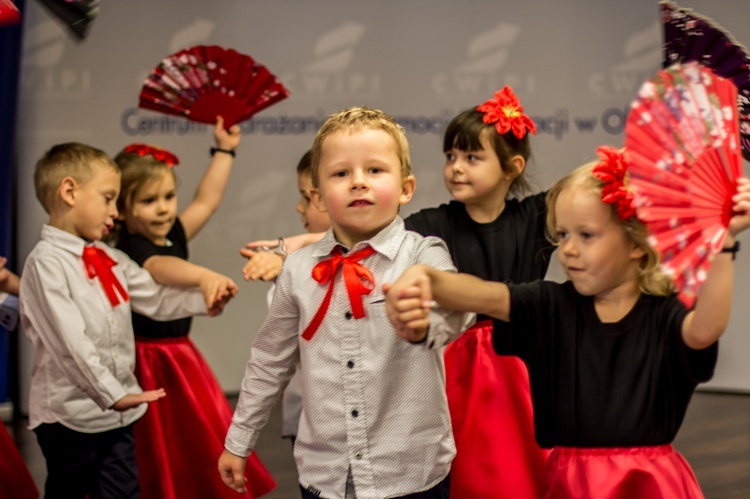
358,279
99,264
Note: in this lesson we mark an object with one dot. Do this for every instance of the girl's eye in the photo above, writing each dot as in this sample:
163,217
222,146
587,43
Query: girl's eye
340,174
148,200
171,195
376,169
472,157
449,156
586,235
561,235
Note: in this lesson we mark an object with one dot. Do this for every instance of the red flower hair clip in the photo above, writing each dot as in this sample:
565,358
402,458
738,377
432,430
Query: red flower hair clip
506,112
159,154
613,171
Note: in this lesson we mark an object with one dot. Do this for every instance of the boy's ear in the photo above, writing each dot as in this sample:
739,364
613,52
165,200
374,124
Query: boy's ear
317,200
408,186
518,164
67,189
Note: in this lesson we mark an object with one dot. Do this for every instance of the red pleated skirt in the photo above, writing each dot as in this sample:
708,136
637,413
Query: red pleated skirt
657,472
15,479
180,438
490,404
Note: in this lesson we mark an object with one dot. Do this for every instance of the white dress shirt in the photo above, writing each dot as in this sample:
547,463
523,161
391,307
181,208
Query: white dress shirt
84,351
372,402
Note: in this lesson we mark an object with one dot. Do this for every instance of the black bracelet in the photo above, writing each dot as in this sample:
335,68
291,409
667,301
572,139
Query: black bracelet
733,250
231,152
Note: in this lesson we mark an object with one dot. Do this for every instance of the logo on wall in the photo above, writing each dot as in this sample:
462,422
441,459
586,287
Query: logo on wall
642,53
330,74
41,72
488,53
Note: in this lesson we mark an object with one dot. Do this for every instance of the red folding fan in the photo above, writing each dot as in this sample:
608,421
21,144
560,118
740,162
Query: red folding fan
203,82
682,144
9,13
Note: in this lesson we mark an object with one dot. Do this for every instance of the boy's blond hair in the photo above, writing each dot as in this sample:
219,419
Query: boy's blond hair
356,118
71,159
651,280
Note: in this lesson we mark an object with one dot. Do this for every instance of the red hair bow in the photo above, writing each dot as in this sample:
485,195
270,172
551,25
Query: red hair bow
506,112
159,154
613,171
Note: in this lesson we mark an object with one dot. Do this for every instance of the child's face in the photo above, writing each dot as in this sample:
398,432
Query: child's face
152,209
594,250
360,184
94,205
475,177
312,218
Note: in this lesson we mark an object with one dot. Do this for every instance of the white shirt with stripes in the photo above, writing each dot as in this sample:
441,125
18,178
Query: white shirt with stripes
372,402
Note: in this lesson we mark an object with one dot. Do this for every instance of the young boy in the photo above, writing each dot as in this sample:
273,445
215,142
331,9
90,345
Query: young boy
375,420
76,297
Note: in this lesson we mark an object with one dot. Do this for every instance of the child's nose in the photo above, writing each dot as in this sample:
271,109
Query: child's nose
359,180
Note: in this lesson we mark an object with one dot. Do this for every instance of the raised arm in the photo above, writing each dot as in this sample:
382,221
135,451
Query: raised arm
211,188
705,325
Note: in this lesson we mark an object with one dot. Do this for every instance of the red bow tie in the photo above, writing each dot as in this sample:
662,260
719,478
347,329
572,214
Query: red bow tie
358,279
99,264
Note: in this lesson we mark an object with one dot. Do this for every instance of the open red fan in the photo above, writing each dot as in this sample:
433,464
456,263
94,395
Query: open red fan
682,144
203,82
689,36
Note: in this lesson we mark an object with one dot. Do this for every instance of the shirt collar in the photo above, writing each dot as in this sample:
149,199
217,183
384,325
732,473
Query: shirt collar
386,242
67,241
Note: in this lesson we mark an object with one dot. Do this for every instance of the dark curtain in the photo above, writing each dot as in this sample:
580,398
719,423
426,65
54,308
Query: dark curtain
10,55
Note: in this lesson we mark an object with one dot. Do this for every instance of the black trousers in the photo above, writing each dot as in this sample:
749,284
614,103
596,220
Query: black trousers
97,465
439,491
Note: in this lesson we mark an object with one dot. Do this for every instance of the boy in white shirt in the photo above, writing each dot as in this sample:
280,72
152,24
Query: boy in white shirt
375,419
75,301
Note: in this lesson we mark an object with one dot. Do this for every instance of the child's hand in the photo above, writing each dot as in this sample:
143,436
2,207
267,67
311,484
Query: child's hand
217,290
740,220
408,302
135,399
232,471
226,139
262,265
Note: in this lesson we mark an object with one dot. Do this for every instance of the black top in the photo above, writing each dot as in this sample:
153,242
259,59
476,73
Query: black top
140,249
513,247
594,384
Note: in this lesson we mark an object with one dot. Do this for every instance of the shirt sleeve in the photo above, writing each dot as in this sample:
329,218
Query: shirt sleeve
159,302
529,307
445,325
274,356
57,321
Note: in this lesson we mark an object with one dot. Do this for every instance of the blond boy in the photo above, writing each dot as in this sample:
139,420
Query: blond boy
76,298
375,420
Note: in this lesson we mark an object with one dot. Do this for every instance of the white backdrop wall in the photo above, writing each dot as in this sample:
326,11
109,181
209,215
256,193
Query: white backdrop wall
576,65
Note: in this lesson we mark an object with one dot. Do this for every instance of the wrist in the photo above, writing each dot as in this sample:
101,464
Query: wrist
222,150
733,249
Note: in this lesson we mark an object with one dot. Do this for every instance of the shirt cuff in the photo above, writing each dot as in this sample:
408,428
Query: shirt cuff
446,326
240,442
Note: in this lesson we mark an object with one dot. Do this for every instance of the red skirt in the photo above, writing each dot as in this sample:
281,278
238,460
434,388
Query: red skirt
642,472
490,403
180,438
15,479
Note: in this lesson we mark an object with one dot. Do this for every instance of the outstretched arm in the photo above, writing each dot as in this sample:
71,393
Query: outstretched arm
421,284
211,189
217,289
705,325
9,282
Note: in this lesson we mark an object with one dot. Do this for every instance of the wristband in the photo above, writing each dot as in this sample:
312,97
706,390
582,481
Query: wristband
281,248
733,250
231,152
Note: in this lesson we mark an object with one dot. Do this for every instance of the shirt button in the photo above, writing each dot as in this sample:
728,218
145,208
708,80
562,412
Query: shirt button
355,413
348,315
350,364
358,455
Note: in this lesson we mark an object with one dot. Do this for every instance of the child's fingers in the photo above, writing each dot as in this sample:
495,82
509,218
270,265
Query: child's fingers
248,253
268,243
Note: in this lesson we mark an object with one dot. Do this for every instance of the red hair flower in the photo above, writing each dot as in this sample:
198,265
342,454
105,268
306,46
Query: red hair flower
506,113
613,171
159,154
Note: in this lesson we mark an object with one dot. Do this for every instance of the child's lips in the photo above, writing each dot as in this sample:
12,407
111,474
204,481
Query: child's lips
360,202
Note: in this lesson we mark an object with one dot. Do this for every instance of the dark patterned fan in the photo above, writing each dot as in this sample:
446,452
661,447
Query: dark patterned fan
689,36
76,14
